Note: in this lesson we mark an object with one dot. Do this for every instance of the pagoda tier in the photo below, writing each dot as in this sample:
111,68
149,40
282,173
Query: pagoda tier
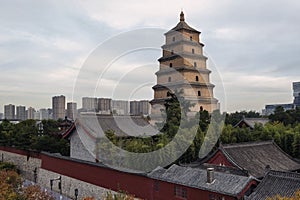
183,68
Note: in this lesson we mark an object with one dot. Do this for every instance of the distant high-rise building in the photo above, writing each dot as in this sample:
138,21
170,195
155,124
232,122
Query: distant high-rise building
296,88
120,107
21,113
50,113
1,115
140,107
37,115
145,107
135,108
104,105
71,110
30,113
44,114
90,104
59,107
9,111
269,109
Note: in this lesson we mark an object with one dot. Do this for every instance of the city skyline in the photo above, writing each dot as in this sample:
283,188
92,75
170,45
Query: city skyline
253,46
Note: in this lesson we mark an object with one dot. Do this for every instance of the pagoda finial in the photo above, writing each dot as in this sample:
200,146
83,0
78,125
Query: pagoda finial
181,16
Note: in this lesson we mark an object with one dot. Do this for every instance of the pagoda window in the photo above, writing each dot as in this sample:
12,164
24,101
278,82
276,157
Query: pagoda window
171,64
172,52
191,38
193,51
195,64
173,39
199,93
197,79
169,79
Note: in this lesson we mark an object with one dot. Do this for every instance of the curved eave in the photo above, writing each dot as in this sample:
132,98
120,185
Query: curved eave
69,131
182,55
167,71
182,84
287,155
158,101
182,25
193,43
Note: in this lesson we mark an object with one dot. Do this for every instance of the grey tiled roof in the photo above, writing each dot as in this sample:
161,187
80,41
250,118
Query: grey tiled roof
255,156
252,121
121,125
275,182
183,25
227,184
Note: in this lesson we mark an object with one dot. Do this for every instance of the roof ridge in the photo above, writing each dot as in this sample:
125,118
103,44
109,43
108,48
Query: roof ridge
284,174
256,118
245,144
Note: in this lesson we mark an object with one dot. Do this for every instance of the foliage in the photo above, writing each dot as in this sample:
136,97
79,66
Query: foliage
88,198
10,184
7,166
177,122
289,117
296,196
234,118
286,137
25,135
34,192
284,129
118,196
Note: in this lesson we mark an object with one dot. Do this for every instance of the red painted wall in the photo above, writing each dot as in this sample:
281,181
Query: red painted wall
32,154
220,158
166,191
136,184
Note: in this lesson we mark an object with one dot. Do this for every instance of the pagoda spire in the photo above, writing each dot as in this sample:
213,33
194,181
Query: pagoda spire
182,16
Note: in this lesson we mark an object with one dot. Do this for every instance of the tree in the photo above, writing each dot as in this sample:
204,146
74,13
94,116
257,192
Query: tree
234,118
34,192
10,181
296,145
296,196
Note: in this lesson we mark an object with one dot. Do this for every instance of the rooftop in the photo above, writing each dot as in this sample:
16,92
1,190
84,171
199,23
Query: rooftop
96,125
227,184
274,183
256,156
182,25
252,121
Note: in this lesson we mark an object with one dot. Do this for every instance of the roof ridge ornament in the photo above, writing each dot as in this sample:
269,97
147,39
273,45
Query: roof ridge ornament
182,16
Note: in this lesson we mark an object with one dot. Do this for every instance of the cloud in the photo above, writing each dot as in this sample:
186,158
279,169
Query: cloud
44,44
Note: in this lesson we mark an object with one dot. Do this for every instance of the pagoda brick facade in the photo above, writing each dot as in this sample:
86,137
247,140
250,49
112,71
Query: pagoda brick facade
183,68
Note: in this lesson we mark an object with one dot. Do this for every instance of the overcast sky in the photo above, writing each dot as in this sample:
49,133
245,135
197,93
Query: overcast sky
253,47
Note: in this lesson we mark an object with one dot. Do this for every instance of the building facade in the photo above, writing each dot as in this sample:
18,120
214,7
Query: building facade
296,89
120,107
270,109
30,113
104,105
135,108
72,110
90,104
44,114
183,68
140,107
21,113
145,107
59,107
9,112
